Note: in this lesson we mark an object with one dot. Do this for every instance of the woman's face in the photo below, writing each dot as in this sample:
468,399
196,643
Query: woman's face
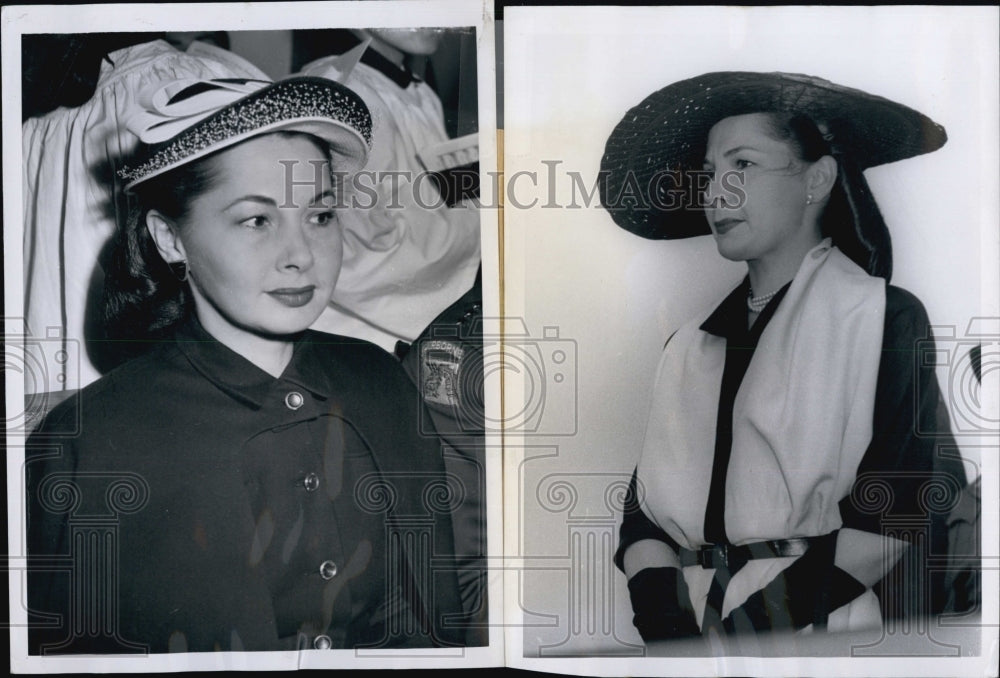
757,200
262,245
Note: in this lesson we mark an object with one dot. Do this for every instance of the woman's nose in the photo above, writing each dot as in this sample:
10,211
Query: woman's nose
725,190
713,190
296,248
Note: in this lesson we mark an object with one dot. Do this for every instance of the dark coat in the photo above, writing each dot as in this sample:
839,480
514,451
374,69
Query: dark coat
188,501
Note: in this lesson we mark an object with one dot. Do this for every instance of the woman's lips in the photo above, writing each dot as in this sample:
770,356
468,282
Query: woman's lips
294,297
723,226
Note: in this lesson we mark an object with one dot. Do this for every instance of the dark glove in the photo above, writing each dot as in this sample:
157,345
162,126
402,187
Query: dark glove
802,594
661,604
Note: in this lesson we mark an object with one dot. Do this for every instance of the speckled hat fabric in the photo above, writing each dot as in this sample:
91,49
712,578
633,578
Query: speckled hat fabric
647,186
210,115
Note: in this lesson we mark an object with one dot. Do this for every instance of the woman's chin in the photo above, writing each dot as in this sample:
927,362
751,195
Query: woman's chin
730,249
291,321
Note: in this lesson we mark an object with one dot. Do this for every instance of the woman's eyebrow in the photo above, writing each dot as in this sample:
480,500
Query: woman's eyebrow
251,198
733,151
266,200
739,149
321,196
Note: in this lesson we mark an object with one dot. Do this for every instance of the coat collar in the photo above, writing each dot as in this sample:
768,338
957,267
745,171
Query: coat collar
240,378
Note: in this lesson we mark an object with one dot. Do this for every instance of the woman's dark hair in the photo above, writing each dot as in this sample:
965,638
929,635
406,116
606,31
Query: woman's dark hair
143,298
852,218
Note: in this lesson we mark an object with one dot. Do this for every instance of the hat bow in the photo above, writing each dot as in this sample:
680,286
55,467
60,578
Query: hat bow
167,109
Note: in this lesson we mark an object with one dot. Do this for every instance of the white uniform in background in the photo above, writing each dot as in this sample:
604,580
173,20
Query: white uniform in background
406,259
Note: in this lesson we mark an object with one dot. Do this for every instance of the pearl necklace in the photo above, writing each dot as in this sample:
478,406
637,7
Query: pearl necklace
757,304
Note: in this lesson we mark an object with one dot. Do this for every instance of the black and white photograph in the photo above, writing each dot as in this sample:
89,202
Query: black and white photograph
247,279
766,239
451,334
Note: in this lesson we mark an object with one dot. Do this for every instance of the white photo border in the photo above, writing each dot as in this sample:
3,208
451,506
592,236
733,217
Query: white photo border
20,20
571,73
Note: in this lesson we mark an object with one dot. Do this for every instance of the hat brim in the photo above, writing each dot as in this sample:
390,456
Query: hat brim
647,181
316,106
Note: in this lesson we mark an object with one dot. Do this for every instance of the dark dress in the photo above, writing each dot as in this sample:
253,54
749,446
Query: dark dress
189,501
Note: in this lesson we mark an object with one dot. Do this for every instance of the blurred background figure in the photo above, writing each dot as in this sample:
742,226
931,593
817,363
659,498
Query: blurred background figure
408,256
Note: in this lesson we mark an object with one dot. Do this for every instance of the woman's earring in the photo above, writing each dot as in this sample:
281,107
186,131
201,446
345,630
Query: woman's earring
179,269
809,199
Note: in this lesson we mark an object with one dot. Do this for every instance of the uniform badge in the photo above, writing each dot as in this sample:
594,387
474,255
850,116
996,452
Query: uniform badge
440,361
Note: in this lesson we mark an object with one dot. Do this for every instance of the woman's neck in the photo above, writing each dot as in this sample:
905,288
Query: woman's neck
271,354
771,273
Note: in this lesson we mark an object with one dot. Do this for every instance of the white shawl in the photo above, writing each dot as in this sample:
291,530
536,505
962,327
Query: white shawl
802,418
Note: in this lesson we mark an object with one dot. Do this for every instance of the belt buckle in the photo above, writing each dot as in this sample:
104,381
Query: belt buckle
711,554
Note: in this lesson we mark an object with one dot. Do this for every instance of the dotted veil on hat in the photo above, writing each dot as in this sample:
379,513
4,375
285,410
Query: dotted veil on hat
646,180
182,121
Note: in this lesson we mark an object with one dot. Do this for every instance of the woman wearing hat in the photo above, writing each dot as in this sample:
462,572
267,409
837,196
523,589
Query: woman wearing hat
244,483
783,417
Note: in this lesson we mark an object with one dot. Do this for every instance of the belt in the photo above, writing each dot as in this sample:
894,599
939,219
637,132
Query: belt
715,556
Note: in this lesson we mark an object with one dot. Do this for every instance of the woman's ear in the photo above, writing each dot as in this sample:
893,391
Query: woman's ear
164,234
822,177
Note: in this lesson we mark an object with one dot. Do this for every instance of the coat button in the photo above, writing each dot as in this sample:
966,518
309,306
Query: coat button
328,569
322,642
294,400
311,482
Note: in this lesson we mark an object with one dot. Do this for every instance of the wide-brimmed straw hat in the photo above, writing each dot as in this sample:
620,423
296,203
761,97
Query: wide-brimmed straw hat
647,183
184,120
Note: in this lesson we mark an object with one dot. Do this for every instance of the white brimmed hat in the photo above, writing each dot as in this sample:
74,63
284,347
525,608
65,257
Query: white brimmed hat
182,121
